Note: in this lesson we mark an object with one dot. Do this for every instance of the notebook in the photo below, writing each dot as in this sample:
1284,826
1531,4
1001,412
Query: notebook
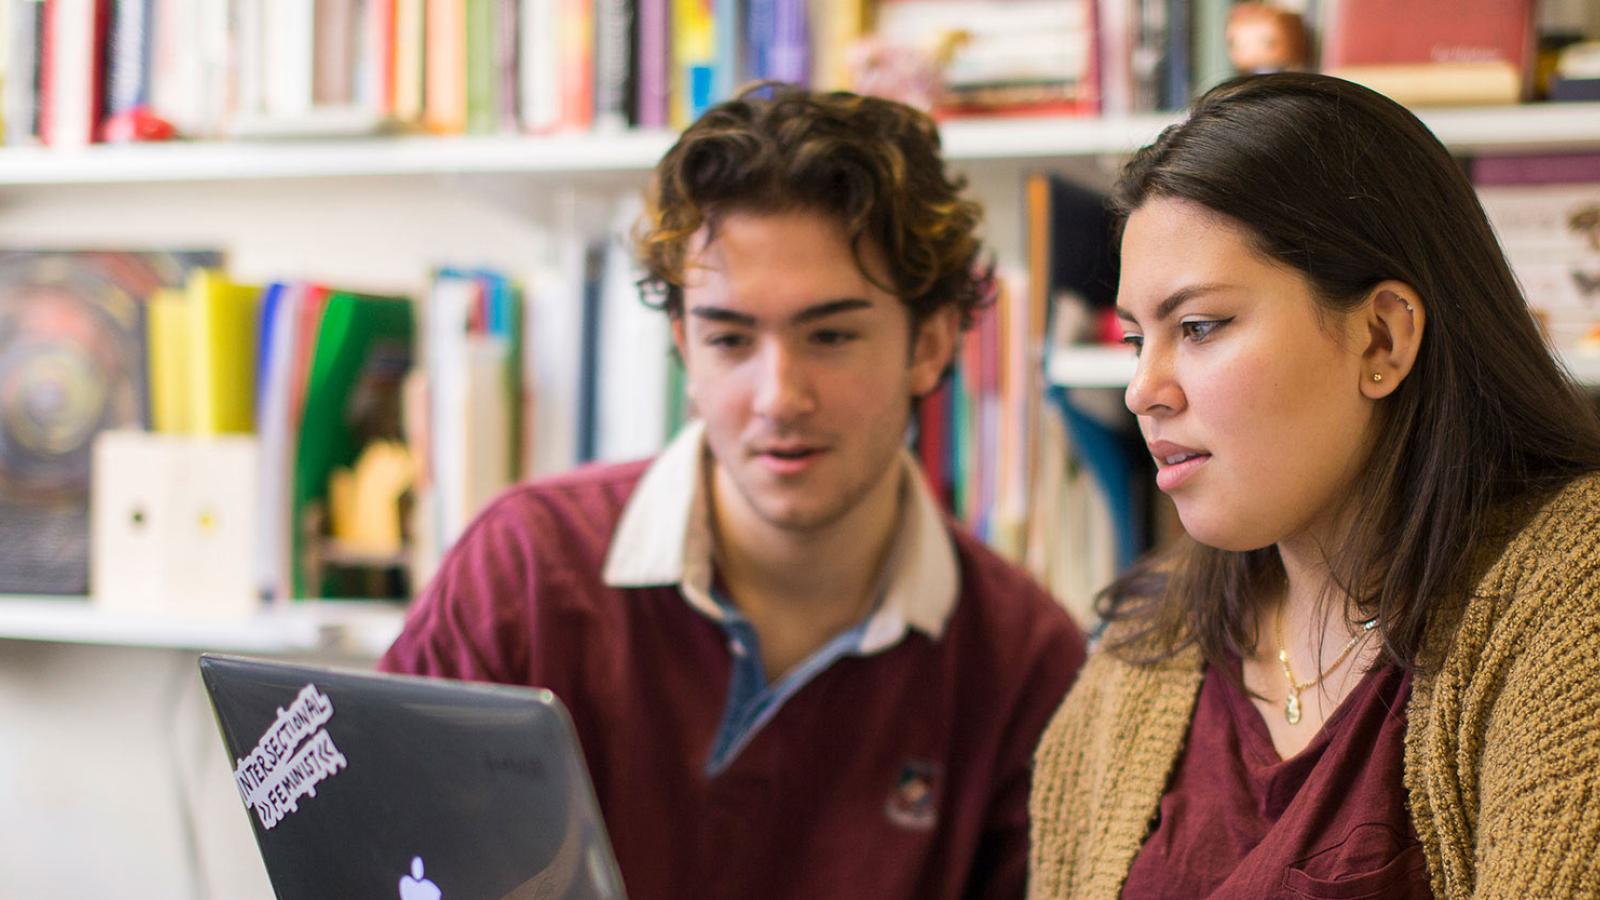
366,785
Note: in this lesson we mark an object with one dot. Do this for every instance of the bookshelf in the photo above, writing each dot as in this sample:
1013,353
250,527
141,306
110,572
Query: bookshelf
1112,367
246,193
972,143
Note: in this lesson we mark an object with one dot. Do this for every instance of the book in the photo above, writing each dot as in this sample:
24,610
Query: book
21,83
409,50
72,73
361,353
482,87
444,67
615,31
1545,209
539,62
171,383
1005,55
222,353
837,25
290,57
335,36
576,61
653,64
72,364
694,41
275,422
128,56
1433,52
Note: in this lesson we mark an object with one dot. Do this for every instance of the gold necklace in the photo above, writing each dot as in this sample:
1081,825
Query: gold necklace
1291,703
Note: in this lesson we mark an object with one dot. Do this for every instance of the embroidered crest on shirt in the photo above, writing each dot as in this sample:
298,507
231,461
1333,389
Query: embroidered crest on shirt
914,799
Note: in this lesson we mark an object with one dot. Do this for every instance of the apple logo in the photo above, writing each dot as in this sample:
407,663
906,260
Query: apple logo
415,887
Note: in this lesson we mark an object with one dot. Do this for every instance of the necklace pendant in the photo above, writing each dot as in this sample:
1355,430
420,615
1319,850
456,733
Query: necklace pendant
1291,708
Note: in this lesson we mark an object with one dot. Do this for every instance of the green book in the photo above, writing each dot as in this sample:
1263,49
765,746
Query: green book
362,352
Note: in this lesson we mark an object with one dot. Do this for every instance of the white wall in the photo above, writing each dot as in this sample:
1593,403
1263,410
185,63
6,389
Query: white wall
113,781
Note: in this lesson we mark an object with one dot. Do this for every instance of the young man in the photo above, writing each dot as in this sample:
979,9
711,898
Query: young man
791,675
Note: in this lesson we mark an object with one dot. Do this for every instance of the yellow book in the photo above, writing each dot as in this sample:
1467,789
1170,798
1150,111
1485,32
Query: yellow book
839,24
694,47
223,338
168,324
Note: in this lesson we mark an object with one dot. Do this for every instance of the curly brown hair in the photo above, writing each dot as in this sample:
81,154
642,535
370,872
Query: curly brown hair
872,164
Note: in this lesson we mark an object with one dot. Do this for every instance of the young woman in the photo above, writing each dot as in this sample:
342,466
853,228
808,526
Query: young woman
1374,670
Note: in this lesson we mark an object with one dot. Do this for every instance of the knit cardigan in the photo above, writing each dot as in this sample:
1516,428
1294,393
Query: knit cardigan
1502,747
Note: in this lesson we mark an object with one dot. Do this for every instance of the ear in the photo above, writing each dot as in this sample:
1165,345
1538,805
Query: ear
1394,318
933,346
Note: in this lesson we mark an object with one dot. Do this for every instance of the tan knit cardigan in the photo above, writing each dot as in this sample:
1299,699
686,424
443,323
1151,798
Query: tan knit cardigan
1502,749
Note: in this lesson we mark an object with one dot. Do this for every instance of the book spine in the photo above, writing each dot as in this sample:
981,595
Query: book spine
577,64
613,26
725,61
408,52
506,99
653,64
480,66
539,64
445,67
21,84
129,51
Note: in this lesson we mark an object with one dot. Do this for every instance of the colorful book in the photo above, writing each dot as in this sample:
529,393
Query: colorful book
72,364
362,352
577,74
694,42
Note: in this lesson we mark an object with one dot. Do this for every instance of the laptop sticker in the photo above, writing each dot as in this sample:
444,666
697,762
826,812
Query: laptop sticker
415,887
276,776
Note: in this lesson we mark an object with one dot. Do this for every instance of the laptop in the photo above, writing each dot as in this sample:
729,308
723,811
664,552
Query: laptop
367,785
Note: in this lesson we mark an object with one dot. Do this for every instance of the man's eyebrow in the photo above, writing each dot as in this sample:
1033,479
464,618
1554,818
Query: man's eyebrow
721,314
830,308
809,314
1170,305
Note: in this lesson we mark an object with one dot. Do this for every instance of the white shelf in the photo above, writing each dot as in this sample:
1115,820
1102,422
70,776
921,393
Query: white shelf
1546,126
1112,367
353,628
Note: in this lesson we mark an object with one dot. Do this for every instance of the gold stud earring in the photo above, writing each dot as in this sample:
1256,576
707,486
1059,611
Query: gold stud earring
1376,377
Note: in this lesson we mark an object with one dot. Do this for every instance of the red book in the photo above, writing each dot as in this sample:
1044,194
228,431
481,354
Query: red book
72,71
1388,32
1433,52
577,64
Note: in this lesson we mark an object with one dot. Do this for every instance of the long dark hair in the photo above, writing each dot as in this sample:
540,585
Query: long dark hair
1350,189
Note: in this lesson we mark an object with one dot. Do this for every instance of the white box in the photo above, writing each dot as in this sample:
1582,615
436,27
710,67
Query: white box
173,523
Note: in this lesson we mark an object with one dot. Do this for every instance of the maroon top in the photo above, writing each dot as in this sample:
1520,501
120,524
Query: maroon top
903,773
1238,821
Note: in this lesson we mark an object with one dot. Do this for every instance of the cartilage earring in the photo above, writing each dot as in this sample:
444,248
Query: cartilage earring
1409,308
1376,377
